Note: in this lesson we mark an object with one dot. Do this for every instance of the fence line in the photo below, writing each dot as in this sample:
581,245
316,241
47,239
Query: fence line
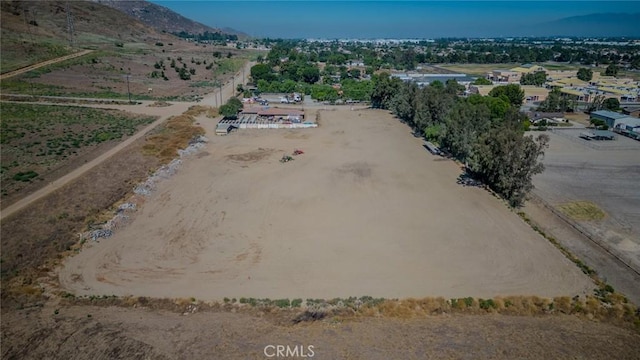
588,234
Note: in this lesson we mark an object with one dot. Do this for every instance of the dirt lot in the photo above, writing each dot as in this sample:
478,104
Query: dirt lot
365,211
605,173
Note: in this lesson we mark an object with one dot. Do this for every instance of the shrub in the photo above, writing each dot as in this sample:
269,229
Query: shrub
282,303
468,301
25,176
487,304
159,43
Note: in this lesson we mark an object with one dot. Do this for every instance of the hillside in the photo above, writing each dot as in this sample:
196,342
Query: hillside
34,31
159,17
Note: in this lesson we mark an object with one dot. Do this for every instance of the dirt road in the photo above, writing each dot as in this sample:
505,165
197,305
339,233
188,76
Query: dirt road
44,63
164,112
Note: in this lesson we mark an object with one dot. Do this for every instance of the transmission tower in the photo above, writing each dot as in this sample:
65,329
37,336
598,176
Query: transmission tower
70,24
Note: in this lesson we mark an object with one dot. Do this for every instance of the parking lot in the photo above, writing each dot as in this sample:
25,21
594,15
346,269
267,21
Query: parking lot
604,172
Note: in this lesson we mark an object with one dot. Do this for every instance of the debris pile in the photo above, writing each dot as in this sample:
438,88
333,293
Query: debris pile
143,190
195,145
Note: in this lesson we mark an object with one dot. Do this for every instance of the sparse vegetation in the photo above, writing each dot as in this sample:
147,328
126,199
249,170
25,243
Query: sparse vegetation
582,211
175,134
42,137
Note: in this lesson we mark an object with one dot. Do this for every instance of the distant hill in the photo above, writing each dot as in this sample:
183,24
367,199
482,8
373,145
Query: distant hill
596,25
161,18
34,31
35,20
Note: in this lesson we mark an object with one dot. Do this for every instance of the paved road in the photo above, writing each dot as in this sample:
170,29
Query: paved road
167,112
44,63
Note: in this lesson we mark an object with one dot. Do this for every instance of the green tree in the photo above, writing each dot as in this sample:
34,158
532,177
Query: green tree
236,103
453,88
310,74
482,81
262,72
585,74
184,74
513,92
552,102
228,111
612,70
384,88
612,104
402,103
463,125
538,78
506,161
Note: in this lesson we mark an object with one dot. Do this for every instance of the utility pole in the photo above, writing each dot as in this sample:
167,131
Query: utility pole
70,27
128,89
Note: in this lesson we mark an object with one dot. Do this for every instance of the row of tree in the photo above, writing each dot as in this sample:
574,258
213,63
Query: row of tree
406,56
207,36
487,133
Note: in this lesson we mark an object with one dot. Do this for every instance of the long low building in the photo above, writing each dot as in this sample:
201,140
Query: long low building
265,118
609,117
273,112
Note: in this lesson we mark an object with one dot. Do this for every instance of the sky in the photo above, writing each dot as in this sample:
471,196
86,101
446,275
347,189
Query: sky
397,19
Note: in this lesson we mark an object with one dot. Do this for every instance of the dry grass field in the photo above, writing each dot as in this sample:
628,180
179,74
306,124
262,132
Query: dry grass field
365,211
92,332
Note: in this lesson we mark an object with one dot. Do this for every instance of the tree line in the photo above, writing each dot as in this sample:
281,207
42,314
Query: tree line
486,133
406,56
206,36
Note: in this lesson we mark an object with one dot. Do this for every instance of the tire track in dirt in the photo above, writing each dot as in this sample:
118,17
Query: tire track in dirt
44,63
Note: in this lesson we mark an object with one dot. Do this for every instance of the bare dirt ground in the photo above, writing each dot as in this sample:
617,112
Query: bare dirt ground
365,211
605,173
88,332
341,147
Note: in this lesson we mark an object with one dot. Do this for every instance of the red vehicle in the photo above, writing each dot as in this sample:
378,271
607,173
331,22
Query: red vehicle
298,152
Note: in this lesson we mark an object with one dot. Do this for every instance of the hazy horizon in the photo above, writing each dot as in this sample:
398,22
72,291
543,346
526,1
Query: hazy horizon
405,19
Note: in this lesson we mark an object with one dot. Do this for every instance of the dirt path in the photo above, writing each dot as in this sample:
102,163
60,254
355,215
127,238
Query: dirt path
44,63
58,183
164,113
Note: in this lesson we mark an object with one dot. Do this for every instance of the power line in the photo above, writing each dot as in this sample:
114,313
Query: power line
70,27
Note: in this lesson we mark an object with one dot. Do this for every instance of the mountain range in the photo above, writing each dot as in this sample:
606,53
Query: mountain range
592,25
162,18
